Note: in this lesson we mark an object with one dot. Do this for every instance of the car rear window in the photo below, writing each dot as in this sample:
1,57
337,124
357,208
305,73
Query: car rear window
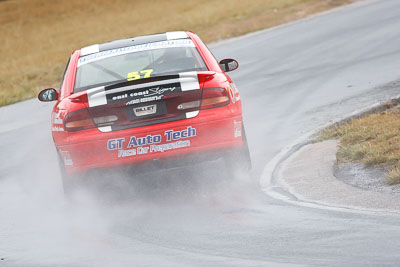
136,62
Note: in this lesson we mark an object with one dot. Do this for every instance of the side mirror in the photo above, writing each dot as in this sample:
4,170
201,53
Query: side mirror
49,94
228,64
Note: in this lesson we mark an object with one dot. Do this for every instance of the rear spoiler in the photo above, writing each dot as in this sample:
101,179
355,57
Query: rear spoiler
155,87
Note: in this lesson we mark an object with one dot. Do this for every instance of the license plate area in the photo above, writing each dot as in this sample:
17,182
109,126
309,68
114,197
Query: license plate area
146,111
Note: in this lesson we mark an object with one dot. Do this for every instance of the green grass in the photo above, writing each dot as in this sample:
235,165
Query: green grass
373,139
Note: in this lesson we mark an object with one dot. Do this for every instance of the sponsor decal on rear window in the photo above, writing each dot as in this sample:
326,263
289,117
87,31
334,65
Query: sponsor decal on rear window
135,48
152,143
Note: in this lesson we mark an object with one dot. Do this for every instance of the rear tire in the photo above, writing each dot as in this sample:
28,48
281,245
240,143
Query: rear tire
68,180
238,162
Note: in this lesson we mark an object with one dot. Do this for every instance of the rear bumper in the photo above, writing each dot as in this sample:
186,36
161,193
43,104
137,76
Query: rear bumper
92,149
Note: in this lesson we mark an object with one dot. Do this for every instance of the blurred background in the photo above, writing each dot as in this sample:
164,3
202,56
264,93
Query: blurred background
39,35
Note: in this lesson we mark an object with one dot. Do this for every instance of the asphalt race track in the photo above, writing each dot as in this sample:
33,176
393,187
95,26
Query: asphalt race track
292,79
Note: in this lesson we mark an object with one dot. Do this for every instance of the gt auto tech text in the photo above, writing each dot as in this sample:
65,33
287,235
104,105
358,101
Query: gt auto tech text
151,143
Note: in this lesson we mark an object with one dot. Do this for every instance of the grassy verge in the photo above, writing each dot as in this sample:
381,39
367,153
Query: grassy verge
373,139
39,35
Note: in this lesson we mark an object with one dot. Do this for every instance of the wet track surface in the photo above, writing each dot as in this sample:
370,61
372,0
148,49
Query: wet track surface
292,79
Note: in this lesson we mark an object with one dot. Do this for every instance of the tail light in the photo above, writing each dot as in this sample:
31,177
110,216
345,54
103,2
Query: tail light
189,105
214,97
105,120
81,120
78,120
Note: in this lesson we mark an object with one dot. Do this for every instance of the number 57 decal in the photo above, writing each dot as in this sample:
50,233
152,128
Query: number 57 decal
136,75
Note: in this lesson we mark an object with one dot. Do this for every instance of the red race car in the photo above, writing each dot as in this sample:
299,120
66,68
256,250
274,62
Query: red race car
144,99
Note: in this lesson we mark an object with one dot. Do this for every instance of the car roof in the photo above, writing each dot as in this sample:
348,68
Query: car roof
133,41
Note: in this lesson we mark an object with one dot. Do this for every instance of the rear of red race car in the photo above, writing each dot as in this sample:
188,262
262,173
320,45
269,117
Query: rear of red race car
157,97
